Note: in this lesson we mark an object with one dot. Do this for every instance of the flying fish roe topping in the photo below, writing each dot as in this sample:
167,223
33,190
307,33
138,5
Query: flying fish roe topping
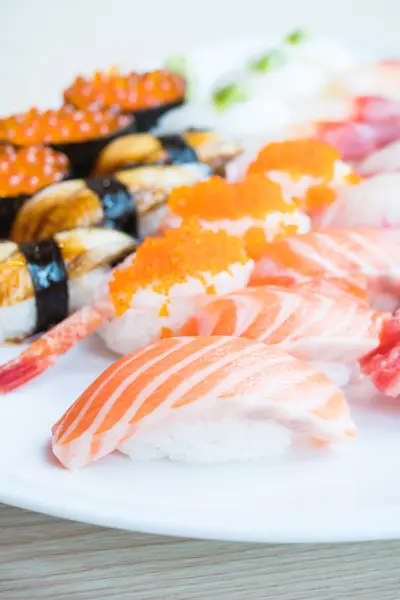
133,91
216,199
67,124
298,157
26,170
165,261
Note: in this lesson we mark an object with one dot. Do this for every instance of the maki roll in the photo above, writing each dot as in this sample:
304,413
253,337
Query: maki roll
24,171
190,146
41,283
131,201
146,95
78,133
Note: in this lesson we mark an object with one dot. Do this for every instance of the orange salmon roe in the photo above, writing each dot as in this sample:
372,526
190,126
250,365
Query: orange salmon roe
165,261
26,170
217,199
67,124
133,91
298,157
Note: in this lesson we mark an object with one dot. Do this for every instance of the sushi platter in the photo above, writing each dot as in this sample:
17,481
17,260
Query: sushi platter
200,296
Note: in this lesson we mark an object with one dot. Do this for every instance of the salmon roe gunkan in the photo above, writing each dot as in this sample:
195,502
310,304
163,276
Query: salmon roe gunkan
27,170
298,157
216,199
64,125
133,91
162,262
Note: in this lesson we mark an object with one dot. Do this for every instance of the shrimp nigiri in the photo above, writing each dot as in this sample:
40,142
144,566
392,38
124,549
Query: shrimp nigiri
339,253
204,399
149,296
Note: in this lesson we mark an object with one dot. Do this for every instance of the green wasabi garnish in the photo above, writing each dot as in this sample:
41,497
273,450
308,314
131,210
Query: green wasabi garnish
226,96
296,37
271,60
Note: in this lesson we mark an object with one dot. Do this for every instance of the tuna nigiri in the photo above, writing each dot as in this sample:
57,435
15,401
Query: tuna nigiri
149,296
338,253
253,209
205,399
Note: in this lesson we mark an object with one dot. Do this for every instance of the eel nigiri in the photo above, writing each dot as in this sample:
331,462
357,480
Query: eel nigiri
254,209
372,203
40,283
147,297
338,253
188,147
307,169
309,325
130,201
205,399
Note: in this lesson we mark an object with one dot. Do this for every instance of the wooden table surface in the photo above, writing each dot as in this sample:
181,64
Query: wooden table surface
50,559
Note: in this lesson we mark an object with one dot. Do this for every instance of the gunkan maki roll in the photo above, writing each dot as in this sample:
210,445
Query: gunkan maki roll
146,95
23,172
78,133
187,147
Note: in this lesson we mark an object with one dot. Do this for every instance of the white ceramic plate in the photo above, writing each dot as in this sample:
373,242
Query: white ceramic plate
318,497
354,495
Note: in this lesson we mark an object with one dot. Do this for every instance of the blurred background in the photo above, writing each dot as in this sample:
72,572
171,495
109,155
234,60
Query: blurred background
44,43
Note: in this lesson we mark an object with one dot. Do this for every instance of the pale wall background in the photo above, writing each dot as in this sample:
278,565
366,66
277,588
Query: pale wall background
43,43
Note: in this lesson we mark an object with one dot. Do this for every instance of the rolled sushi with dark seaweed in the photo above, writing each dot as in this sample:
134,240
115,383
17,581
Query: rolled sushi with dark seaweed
145,95
132,201
23,172
41,283
79,133
190,146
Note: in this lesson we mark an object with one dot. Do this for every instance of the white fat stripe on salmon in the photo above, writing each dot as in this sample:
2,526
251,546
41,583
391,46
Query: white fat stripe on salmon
290,303
84,439
386,258
307,250
245,307
326,304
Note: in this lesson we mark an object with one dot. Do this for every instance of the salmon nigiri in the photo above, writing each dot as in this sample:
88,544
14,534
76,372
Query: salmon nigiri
149,296
340,254
309,325
204,399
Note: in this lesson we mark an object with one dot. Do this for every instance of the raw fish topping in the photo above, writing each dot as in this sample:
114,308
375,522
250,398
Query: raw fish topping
181,253
133,91
64,125
26,170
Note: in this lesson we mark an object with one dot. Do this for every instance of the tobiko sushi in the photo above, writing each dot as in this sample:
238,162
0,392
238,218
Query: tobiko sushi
78,133
254,209
24,171
148,297
146,95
